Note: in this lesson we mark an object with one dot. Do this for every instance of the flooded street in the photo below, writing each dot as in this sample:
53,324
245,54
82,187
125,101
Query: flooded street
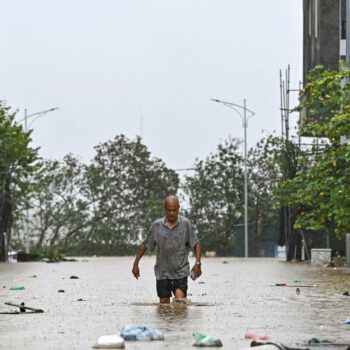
232,297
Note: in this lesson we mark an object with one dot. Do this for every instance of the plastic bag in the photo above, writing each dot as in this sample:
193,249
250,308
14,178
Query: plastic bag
206,340
251,335
137,332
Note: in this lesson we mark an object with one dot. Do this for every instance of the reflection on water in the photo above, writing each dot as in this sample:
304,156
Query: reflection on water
228,300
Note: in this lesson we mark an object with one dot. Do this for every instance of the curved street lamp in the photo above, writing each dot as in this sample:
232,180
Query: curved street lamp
245,119
26,126
36,115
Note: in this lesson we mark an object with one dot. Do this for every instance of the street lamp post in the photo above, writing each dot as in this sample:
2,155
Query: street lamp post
245,119
26,128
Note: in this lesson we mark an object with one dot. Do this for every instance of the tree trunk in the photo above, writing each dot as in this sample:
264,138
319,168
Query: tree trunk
295,246
5,219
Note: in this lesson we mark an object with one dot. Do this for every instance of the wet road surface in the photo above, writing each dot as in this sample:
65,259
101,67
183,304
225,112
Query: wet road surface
232,297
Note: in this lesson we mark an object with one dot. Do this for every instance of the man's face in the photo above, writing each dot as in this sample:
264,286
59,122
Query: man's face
171,210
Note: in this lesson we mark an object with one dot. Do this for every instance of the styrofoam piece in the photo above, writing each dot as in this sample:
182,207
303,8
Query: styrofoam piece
113,341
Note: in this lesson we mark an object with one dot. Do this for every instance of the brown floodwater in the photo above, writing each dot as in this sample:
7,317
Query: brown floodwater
232,297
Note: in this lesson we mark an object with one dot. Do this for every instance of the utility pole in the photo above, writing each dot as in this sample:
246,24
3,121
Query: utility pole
26,129
245,127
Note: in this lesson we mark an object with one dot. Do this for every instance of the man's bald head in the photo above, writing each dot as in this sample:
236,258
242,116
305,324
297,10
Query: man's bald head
171,208
172,200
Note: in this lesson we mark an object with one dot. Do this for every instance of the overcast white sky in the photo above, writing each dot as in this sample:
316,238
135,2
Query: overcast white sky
147,67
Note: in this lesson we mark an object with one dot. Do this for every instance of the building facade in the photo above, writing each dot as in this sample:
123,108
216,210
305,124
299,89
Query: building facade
324,34
324,39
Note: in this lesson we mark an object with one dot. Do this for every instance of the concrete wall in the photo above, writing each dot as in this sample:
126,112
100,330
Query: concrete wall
321,34
321,41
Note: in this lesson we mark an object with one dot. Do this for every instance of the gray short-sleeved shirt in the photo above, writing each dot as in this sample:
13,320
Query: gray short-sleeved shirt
172,247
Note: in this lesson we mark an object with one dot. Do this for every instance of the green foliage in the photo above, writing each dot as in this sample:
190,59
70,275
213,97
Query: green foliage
126,188
59,208
216,197
216,192
51,253
320,190
268,164
105,207
17,163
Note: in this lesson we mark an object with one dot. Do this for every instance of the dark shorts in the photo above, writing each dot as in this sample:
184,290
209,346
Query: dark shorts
166,287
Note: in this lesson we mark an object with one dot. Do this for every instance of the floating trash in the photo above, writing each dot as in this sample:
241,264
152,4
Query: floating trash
318,341
255,336
113,341
206,340
17,288
22,308
293,285
266,347
138,332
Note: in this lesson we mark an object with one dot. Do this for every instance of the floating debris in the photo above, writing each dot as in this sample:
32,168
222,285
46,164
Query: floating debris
138,332
292,285
318,341
23,308
255,336
113,341
17,288
206,340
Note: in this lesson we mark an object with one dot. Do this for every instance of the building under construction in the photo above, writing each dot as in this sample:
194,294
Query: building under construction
325,33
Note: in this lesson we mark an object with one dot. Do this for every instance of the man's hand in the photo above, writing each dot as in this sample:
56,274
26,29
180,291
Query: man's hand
197,270
136,271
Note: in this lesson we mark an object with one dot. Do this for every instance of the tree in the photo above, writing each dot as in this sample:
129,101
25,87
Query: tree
268,164
104,207
125,187
216,197
320,190
17,163
58,206
216,192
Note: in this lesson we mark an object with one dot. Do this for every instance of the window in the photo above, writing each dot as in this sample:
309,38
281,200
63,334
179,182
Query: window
342,19
316,18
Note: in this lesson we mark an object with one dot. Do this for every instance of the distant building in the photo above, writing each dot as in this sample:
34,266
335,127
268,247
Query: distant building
324,37
324,33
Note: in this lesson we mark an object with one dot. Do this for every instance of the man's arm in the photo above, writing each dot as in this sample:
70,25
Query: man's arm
197,266
135,269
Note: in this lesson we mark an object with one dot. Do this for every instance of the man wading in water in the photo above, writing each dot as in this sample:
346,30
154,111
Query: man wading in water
173,236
